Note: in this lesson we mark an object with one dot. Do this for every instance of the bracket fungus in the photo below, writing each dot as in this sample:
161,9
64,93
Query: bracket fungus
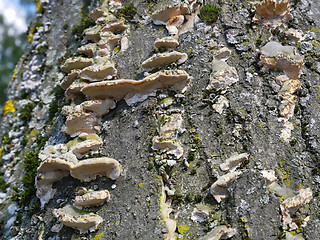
222,103
219,188
83,144
98,107
172,124
222,76
81,122
272,13
76,63
220,232
167,42
276,56
114,26
174,24
291,205
168,145
122,89
92,34
165,211
234,162
98,72
70,78
88,169
163,59
74,90
200,213
56,164
88,49
89,199
161,17
70,217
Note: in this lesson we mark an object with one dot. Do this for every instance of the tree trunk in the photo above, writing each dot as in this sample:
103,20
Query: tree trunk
221,145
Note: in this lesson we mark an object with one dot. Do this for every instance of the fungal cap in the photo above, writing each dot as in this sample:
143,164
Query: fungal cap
272,13
98,107
276,56
114,26
74,90
167,42
93,33
98,72
168,145
74,219
163,59
174,24
123,88
68,80
89,169
89,199
76,63
234,162
161,17
222,54
84,143
222,76
88,49
81,122
219,232
219,188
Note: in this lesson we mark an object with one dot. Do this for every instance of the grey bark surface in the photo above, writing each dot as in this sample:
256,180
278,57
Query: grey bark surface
127,131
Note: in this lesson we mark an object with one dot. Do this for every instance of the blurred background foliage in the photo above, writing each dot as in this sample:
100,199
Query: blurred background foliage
15,16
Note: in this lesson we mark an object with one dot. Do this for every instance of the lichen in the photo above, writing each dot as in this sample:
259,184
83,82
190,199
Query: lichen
8,107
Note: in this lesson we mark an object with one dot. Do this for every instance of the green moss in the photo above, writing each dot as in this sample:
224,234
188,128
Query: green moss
41,141
25,112
3,184
53,109
84,23
30,164
6,139
198,198
191,156
188,197
177,196
209,13
128,11
308,64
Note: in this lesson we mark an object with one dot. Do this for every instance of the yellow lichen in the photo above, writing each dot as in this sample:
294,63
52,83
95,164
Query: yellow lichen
38,2
141,185
98,236
183,228
8,107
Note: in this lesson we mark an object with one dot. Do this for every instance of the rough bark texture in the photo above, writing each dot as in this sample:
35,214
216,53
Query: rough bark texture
250,124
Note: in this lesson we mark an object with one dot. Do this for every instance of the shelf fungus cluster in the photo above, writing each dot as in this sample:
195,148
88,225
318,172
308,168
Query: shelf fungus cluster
222,77
276,56
58,162
179,17
93,89
292,202
167,147
83,122
272,13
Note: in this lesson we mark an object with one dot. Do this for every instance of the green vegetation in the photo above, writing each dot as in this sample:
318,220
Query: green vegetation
84,23
25,112
128,11
6,139
209,13
30,164
198,198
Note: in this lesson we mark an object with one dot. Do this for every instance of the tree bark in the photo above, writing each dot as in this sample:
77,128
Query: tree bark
232,105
